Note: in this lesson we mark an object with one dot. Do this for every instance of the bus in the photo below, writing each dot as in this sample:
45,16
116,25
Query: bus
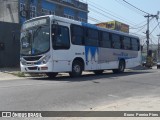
52,45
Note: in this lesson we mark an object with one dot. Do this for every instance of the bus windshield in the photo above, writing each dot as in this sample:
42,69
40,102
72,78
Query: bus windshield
35,40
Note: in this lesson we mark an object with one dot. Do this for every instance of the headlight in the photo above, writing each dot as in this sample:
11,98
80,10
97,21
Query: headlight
23,61
45,59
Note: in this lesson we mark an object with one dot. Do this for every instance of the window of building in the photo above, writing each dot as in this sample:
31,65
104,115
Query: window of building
22,9
33,11
135,44
77,34
82,19
91,37
82,16
52,12
116,43
47,12
127,43
105,40
69,13
60,37
81,5
68,1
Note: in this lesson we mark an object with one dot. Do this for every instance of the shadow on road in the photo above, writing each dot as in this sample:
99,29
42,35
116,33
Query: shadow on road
90,77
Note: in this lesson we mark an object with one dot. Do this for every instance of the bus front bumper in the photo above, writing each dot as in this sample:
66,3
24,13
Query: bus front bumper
37,68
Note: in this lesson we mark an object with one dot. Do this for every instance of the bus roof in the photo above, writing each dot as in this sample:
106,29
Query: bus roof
66,20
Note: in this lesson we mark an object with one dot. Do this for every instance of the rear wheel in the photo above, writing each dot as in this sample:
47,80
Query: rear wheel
77,68
121,67
115,71
98,72
51,75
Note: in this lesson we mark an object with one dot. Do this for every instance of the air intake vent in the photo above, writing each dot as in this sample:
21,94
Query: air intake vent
32,58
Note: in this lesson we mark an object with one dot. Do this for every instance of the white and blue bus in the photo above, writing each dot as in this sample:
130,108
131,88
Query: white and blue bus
52,44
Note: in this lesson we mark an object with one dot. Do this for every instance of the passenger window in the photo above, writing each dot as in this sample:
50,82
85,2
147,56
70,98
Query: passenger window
77,35
91,37
116,43
127,43
135,44
105,41
60,37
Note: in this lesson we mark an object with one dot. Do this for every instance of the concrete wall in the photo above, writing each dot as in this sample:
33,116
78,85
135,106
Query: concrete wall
9,11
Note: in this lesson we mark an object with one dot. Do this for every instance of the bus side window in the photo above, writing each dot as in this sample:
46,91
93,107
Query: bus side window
127,43
122,42
92,37
77,35
116,43
105,40
135,44
60,37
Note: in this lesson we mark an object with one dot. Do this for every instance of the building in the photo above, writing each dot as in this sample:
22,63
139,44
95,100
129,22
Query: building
115,25
17,11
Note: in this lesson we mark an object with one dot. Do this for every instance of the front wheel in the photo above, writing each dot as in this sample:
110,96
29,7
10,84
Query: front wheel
76,69
51,75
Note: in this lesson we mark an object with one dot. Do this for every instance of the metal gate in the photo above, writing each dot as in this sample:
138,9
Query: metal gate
9,44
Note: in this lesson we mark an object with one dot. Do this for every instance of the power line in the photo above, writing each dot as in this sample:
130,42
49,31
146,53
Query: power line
154,28
141,23
93,19
139,27
101,13
135,7
109,12
129,7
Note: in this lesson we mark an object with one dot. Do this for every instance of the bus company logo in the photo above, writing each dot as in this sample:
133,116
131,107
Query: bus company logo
6,114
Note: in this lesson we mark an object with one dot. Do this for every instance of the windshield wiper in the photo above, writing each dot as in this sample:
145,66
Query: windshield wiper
36,32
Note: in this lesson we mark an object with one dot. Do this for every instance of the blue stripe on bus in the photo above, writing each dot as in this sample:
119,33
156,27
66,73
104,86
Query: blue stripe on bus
92,50
89,25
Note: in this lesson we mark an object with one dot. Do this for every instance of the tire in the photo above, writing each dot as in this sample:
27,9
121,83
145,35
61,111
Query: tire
121,67
51,75
115,71
98,72
77,68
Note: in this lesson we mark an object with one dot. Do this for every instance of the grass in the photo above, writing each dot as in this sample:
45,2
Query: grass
19,74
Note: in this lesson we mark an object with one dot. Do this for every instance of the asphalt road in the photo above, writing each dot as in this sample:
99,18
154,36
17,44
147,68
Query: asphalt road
85,93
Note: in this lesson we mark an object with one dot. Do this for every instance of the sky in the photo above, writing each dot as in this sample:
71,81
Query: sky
109,10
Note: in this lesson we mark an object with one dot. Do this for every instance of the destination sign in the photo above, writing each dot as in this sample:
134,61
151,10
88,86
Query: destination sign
35,23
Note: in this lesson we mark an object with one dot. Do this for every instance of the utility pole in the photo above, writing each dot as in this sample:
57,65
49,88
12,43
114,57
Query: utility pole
147,32
158,52
149,58
27,9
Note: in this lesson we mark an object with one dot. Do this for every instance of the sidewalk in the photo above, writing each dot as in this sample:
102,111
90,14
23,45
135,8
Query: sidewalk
15,73
10,73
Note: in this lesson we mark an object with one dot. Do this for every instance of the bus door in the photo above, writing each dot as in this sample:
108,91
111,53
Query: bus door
61,47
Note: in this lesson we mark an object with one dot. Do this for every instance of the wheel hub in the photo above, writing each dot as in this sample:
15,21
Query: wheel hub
77,68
